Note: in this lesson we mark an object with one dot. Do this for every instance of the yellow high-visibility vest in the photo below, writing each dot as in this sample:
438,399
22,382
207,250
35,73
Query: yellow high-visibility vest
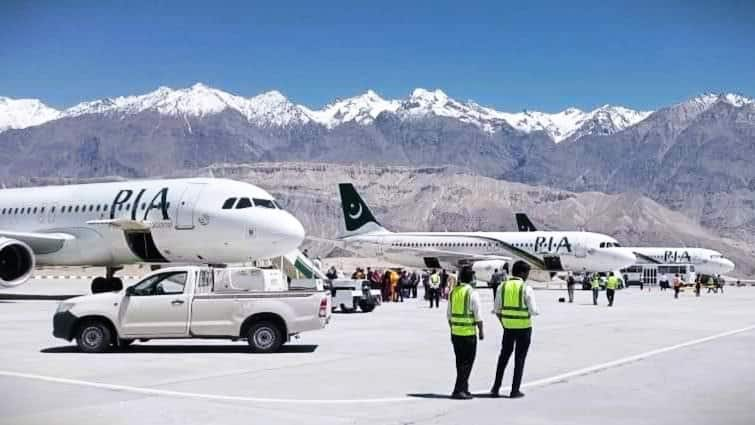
595,282
612,282
462,318
514,312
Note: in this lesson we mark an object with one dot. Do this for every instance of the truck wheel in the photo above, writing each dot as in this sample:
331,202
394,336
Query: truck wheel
94,337
264,337
366,306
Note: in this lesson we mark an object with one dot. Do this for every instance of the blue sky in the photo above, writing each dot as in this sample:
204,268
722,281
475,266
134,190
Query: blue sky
509,55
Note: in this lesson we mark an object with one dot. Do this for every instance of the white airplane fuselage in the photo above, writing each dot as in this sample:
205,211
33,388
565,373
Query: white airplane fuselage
575,251
148,221
706,261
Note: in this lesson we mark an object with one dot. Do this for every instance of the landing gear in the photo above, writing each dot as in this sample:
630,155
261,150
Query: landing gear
109,283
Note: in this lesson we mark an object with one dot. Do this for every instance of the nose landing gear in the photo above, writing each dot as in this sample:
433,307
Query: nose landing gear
109,283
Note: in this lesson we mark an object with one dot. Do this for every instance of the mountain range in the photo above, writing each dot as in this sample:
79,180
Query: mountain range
695,157
272,109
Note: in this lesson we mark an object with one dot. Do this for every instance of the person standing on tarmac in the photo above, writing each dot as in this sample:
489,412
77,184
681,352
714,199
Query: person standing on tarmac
463,316
611,284
434,295
595,286
570,282
677,285
495,280
514,306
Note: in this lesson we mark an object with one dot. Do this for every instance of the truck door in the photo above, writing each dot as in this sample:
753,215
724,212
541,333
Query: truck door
158,305
185,216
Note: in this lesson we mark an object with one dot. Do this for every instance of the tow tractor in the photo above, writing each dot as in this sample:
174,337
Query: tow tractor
350,294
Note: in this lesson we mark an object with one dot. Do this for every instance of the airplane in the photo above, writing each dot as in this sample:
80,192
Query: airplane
706,261
545,251
186,221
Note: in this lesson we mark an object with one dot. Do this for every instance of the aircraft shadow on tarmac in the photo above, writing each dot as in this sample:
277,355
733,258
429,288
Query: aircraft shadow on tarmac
185,349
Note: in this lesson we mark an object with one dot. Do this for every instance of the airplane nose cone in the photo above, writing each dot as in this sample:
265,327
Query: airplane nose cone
728,265
289,231
620,258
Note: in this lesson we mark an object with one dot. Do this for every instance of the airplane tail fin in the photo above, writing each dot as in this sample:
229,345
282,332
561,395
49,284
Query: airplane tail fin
356,214
523,223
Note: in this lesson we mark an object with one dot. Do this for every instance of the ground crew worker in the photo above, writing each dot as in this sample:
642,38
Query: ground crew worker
570,282
434,286
466,326
595,286
721,283
611,284
514,305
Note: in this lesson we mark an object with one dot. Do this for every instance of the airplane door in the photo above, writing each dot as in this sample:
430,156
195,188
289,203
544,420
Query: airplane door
185,214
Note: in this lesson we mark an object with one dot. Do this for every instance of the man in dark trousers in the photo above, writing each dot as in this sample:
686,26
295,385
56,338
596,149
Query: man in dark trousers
570,282
463,316
514,306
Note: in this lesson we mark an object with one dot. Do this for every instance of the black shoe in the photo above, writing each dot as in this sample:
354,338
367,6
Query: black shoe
494,393
461,396
516,394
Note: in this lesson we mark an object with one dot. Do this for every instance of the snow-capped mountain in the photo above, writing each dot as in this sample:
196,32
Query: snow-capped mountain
22,113
362,109
270,108
273,109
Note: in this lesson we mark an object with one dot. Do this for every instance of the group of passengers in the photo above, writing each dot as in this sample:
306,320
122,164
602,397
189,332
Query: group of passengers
395,284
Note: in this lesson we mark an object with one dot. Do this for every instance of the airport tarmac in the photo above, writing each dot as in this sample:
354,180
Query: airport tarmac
649,359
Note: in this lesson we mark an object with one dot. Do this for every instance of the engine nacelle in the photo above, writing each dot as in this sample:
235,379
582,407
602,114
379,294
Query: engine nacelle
16,262
484,269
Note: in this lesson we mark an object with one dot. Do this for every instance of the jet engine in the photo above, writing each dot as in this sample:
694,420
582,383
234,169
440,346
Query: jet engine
16,262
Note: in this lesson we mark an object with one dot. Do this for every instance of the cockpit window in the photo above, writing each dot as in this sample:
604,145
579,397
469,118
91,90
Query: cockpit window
228,204
265,203
277,205
244,203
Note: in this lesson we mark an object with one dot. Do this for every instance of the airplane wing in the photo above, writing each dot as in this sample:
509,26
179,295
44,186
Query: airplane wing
40,243
646,258
125,224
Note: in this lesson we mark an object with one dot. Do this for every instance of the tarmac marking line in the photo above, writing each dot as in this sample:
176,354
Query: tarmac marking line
218,397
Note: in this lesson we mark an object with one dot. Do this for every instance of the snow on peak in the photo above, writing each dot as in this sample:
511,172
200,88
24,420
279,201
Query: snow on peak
708,99
271,108
574,123
362,109
22,113
736,99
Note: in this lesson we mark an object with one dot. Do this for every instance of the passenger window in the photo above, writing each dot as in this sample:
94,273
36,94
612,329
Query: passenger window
264,203
228,204
244,203
42,210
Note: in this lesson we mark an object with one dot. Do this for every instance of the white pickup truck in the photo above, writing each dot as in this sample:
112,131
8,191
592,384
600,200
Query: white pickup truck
195,302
